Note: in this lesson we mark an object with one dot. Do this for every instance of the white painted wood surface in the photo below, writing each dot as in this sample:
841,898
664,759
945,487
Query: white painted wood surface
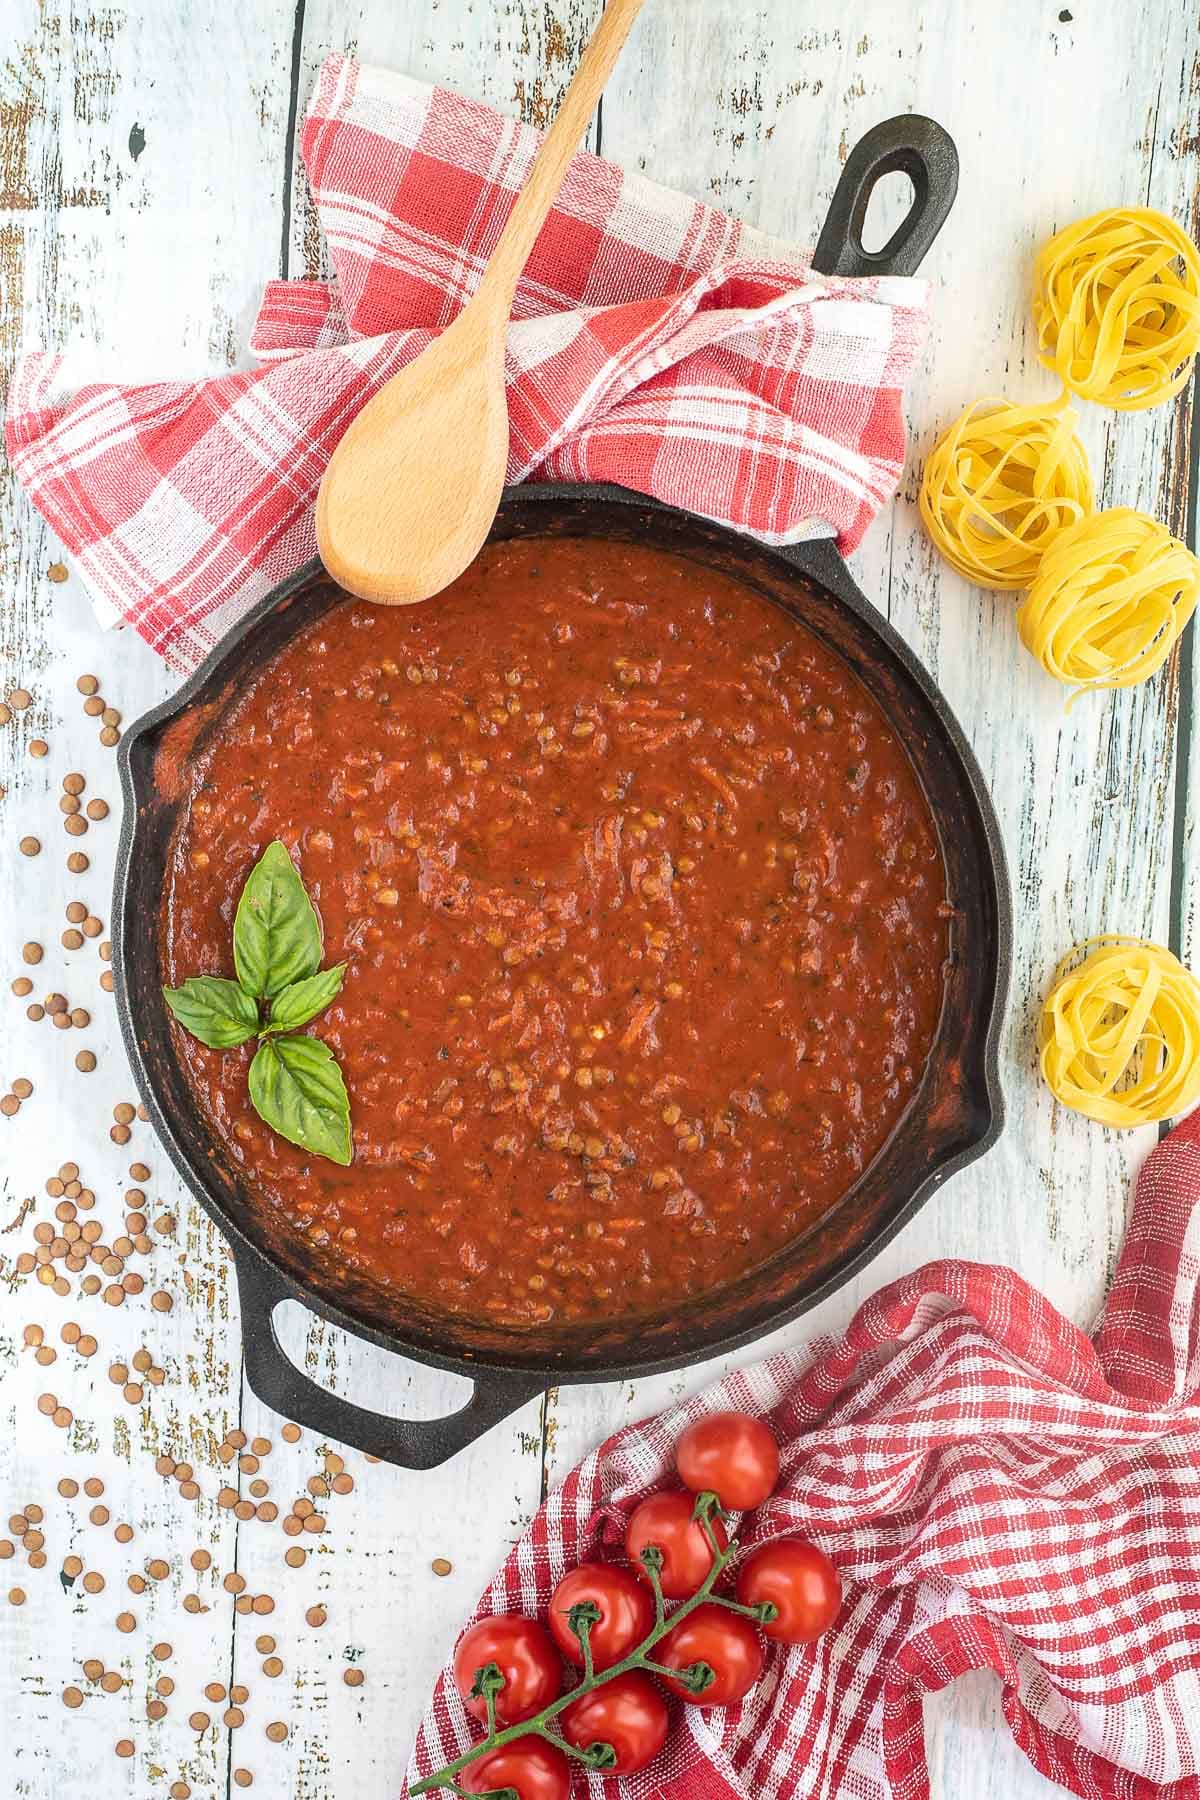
157,260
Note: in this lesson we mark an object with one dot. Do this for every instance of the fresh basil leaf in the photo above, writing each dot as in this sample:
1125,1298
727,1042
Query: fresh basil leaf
276,933
297,1004
297,1087
218,1012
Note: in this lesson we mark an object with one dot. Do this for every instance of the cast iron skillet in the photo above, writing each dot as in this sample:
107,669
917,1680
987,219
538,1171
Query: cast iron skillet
954,1117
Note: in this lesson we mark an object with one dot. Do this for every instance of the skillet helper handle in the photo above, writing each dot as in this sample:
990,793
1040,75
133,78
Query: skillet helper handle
919,148
412,1443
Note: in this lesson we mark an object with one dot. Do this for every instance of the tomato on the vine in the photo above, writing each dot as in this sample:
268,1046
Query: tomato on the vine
628,1712
626,1612
729,1454
726,1641
665,1520
533,1769
800,1581
524,1655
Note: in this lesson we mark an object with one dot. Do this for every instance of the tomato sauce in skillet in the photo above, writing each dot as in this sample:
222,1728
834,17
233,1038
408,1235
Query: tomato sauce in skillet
645,918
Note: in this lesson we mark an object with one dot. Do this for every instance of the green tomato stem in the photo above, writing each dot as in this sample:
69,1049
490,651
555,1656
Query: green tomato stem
638,1658
588,1756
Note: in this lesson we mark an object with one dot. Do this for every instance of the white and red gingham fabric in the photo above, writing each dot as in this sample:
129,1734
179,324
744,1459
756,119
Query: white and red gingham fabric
998,1491
656,343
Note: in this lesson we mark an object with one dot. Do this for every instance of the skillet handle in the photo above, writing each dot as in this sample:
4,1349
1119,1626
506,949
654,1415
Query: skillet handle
926,154
412,1443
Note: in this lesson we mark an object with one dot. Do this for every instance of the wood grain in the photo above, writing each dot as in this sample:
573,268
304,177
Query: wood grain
147,187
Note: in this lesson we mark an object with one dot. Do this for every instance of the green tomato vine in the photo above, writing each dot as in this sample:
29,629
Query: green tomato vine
696,1677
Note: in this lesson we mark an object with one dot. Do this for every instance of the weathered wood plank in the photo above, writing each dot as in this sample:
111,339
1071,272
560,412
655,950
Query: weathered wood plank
140,179
519,58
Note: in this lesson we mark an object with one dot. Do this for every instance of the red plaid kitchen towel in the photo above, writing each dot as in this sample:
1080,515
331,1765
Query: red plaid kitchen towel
999,1492
656,342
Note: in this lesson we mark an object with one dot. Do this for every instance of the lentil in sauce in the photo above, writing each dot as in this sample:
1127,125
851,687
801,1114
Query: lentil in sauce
644,912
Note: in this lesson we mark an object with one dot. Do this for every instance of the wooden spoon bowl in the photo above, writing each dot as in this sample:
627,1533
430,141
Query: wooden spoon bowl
410,493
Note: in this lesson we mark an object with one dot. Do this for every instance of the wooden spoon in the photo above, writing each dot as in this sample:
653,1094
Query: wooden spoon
412,489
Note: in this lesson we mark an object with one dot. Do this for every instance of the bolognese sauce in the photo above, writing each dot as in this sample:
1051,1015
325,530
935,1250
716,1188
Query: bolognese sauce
644,913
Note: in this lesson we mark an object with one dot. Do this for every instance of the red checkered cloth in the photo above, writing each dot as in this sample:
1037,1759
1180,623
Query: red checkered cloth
998,1491
656,343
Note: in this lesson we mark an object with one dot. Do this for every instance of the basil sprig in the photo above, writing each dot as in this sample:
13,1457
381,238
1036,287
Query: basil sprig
295,1083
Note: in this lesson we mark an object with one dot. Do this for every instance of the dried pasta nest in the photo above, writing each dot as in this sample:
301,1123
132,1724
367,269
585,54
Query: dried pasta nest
1001,484
1109,601
1116,302
1119,1032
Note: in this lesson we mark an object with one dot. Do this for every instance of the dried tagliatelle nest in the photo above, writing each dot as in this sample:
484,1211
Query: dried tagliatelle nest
1119,1032
1110,600
1001,484
1116,302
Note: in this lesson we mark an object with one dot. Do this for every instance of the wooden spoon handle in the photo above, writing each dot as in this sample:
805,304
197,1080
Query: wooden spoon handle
499,280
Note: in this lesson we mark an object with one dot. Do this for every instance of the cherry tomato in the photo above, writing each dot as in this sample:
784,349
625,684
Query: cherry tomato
726,1641
526,1658
628,1712
731,1455
626,1613
666,1520
534,1769
801,1582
